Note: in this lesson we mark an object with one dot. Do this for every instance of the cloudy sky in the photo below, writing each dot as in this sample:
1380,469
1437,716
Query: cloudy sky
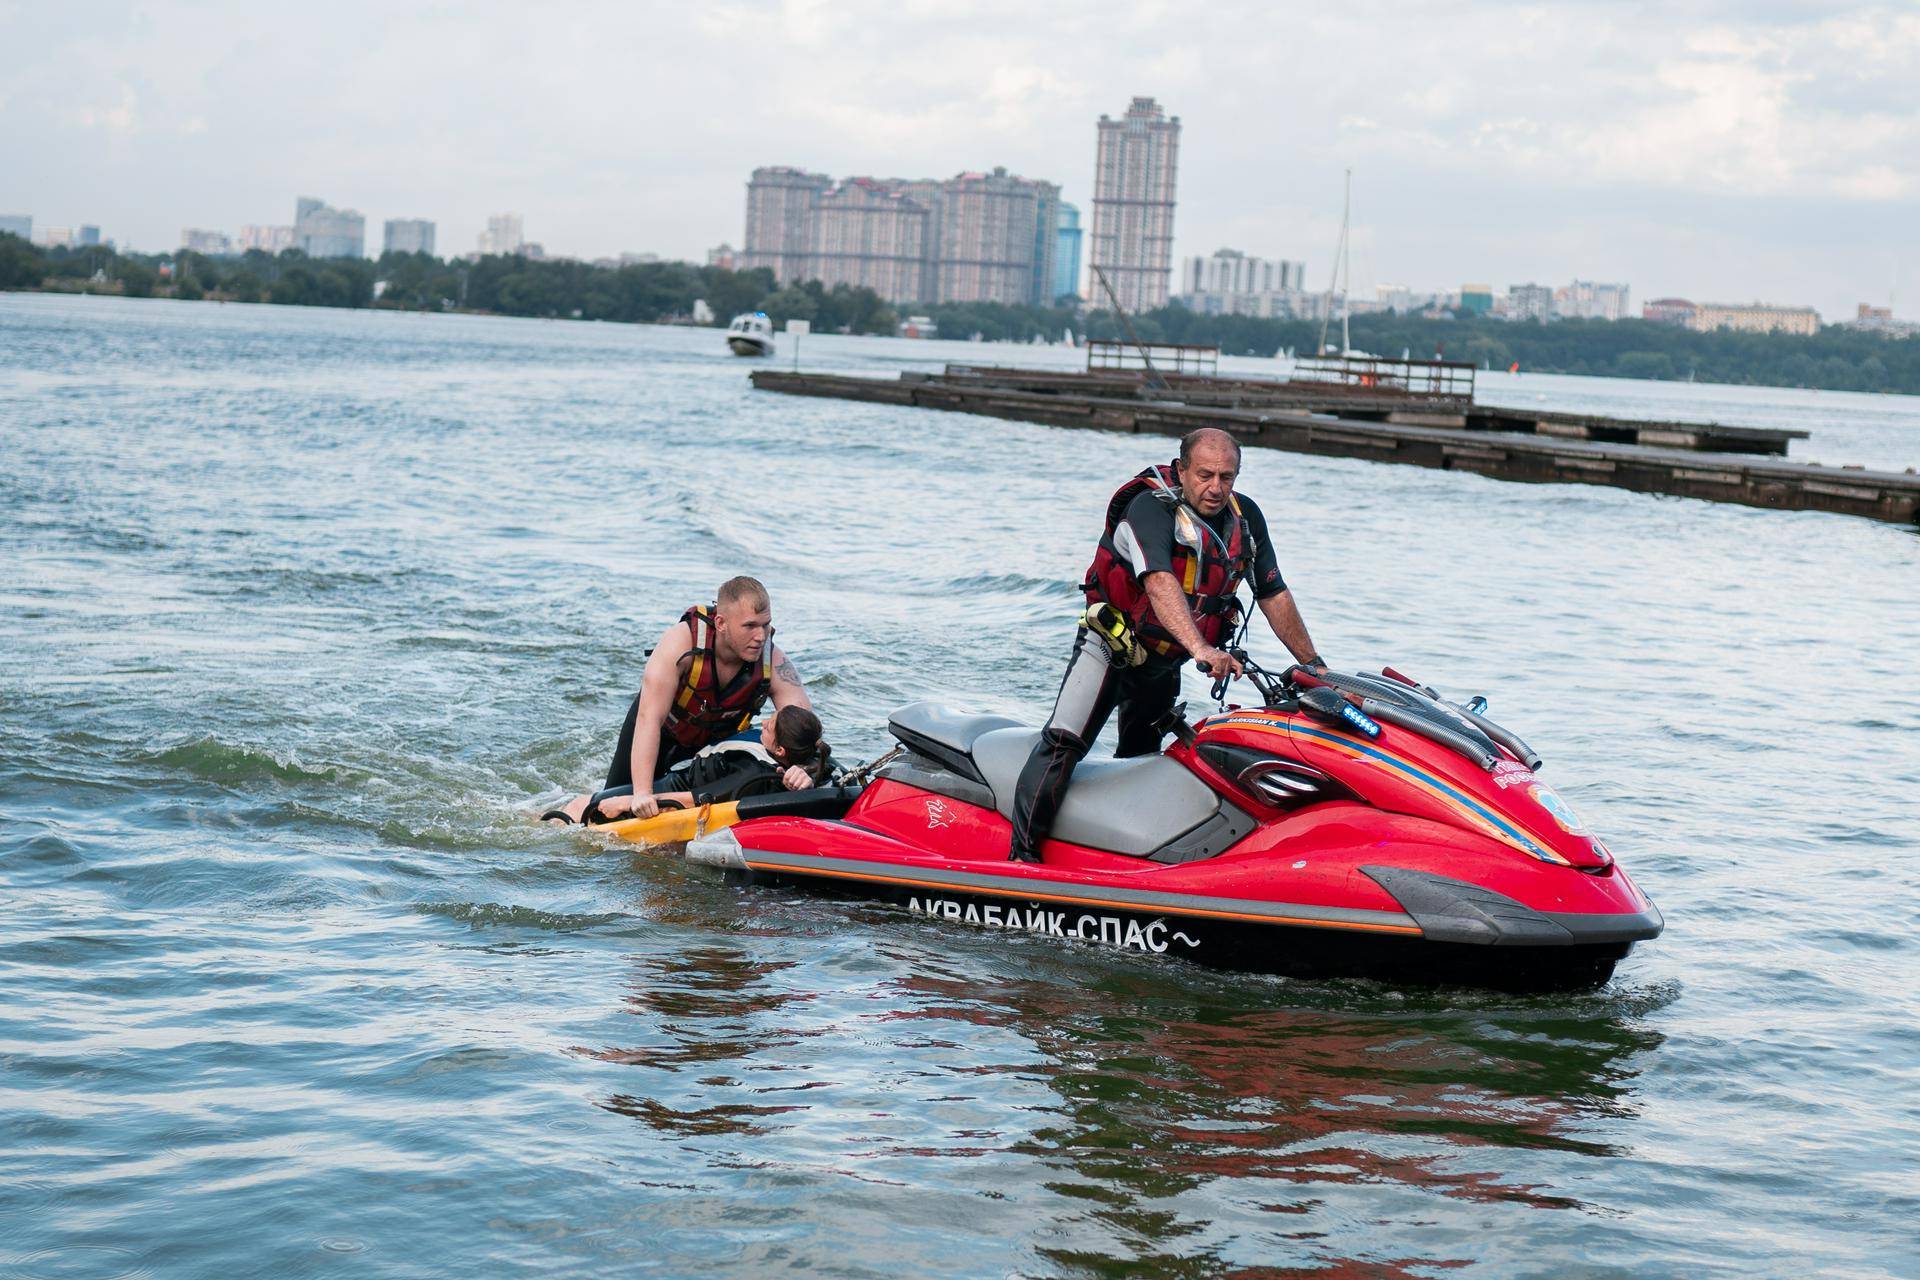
1714,150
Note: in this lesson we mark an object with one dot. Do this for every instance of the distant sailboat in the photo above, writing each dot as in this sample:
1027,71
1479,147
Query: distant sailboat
1342,282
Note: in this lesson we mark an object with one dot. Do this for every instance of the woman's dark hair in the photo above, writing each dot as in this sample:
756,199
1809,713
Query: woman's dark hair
796,731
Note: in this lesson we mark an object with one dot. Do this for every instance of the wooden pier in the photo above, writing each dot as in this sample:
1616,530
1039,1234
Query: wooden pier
1669,458
1377,404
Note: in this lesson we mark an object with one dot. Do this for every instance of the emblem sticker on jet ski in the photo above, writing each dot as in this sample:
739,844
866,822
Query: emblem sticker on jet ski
938,815
1562,811
1112,931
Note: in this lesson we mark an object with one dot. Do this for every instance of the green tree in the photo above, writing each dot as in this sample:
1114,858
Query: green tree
137,279
21,265
1651,365
790,303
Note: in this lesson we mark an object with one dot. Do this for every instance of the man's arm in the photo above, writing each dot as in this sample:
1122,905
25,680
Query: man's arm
1283,615
1175,614
656,696
787,689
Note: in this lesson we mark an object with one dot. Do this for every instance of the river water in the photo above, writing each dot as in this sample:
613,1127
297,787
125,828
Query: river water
302,612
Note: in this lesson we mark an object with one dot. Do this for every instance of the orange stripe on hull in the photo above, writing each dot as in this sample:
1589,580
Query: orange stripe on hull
1409,930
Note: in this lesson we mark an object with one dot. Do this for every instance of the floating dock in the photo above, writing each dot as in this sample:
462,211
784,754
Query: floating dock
1377,404
1718,464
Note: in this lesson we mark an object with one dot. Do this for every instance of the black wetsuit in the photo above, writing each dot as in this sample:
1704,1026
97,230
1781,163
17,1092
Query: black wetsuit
1094,686
719,773
620,770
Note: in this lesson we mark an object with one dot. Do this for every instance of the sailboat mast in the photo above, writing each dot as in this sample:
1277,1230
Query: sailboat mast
1346,269
1339,255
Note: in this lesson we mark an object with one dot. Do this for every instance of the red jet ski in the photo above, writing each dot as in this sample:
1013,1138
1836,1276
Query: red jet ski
1351,825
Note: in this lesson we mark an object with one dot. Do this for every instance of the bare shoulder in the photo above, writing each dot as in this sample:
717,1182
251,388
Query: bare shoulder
672,648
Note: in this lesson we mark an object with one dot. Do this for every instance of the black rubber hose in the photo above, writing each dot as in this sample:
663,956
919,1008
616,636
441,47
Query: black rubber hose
1505,737
1449,738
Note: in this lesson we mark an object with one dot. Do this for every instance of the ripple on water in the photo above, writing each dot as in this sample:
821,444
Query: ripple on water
313,607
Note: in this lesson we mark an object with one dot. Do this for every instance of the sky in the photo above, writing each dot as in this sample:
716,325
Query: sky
1717,151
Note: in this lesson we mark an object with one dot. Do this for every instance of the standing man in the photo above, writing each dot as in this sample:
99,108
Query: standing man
1177,545
705,681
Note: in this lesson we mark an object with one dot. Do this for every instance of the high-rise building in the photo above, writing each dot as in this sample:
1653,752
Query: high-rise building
322,231
870,236
976,237
1066,253
86,235
200,240
1233,284
17,224
1136,164
1585,300
504,235
724,257
780,202
997,237
408,235
54,237
268,239
1476,299
1529,302
1046,241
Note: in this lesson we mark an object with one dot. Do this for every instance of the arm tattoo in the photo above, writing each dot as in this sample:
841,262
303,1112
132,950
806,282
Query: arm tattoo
784,669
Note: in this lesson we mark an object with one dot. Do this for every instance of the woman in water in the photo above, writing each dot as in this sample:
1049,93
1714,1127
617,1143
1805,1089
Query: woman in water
787,754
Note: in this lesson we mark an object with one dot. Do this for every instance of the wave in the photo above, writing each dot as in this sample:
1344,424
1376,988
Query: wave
494,915
1009,584
212,760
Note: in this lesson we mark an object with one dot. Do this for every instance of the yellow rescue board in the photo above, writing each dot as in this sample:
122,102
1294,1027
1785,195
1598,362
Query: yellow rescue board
675,826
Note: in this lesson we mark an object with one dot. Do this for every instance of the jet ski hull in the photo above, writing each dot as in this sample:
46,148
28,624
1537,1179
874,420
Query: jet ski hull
1289,838
1330,917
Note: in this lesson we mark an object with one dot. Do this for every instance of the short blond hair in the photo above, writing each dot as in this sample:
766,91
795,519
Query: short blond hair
741,587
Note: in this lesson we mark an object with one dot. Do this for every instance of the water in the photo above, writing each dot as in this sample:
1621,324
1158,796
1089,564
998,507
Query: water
302,612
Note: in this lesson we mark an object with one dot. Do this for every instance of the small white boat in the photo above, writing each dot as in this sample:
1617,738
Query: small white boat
750,334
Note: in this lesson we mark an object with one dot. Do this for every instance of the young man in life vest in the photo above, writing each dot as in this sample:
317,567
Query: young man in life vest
705,681
1178,543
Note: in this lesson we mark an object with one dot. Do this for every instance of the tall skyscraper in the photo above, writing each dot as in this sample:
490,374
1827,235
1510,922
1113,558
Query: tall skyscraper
86,235
868,235
975,237
996,238
1066,253
322,231
505,234
780,202
1136,163
408,235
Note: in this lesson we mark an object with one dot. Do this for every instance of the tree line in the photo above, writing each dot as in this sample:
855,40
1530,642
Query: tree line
1835,358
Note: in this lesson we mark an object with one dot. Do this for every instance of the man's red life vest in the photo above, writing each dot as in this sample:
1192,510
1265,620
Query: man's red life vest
1210,568
702,712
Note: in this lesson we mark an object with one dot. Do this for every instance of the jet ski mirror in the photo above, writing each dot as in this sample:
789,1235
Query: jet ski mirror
1327,704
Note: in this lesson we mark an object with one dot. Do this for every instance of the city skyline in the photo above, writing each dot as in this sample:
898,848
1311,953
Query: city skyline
1767,151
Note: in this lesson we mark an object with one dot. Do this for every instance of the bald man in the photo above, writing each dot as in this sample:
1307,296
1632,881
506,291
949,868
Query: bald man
1162,589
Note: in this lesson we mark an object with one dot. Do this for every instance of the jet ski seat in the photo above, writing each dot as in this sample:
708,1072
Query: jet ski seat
1137,806
1145,806
945,735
